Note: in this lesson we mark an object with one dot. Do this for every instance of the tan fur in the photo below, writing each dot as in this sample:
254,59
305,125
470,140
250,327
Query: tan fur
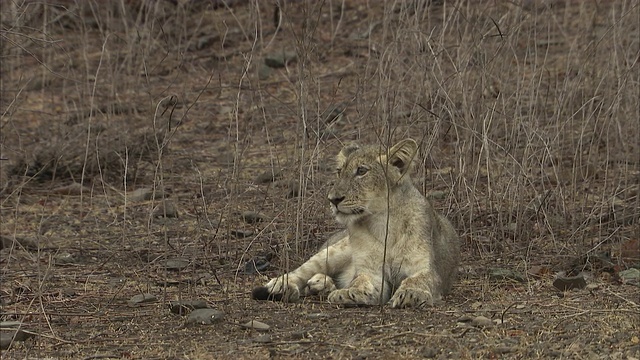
382,210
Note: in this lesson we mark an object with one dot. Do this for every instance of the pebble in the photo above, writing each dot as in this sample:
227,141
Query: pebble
256,325
145,194
166,209
505,274
205,316
183,306
238,233
481,321
279,59
141,299
570,282
176,264
252,217
268,176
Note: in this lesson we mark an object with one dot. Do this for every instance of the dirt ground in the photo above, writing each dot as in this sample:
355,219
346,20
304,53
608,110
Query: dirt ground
163,148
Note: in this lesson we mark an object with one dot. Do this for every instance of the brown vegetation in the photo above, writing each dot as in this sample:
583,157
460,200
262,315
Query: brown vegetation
527,115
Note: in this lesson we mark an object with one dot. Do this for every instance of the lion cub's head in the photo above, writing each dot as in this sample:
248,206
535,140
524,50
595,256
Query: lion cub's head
367,176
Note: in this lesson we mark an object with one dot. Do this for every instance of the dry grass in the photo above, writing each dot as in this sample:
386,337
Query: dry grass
527,118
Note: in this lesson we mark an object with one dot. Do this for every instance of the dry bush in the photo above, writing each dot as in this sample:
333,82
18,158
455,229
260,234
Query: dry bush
526,112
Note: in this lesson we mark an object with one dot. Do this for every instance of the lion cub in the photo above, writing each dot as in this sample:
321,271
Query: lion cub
396,247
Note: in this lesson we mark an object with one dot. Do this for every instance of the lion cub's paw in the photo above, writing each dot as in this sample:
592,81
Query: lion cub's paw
320,284
282,288
411,297
355,296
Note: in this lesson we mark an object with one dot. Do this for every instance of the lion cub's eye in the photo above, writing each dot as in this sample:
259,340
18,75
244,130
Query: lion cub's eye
361,170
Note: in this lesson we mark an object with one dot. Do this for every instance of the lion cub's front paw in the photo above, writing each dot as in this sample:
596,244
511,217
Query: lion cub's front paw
411,297
282,288
354,296
320,284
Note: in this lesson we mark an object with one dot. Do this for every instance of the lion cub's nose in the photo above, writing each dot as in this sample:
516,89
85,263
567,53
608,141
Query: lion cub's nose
335,200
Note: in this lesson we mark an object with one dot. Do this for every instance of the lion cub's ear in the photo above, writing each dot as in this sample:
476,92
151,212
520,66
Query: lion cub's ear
341,159
401,154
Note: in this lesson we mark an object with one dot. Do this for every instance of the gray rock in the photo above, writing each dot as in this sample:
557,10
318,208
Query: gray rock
334,113
252,217
72,189
184,306
64,258
29,243
279,59
256,325
166,209
257,264
438,195
264,71
263,339
318,316
428,352
505,274
503,349
238,233
481,321
630,276
465,319
570,282
205,316
176,264
268,176
10,324
7,337
145,194
141,299
293,189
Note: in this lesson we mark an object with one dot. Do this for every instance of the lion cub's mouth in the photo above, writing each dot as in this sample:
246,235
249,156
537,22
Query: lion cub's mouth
355,211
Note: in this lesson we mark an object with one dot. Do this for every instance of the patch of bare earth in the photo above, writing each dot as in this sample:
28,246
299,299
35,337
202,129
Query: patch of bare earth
136,135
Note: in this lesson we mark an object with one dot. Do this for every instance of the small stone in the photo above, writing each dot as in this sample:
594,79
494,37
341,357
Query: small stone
293,189
117,282
298,335
630,276
142,299
72,189
280,59
438,195
334,114
592,287
176,264
145,194
184,306
11,331
64,258
505,274
28,243
263,339
504,349
166,209
257,264
428,352
256,325
10,324
268,176
205,316
570,282
465,319
318,316
241,233
252,217
8,337
481,321
264,71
